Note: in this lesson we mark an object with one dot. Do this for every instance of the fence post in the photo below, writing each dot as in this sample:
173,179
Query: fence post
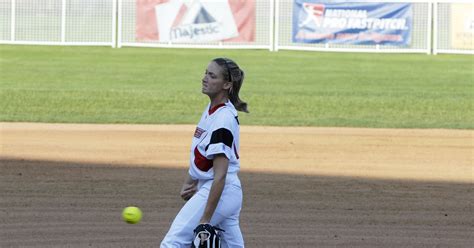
430,27
119,24
276,19
435,28
12,21
63,21
114,24
272,26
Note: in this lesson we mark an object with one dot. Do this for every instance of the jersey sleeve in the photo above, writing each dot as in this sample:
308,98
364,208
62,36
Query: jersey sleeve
222,137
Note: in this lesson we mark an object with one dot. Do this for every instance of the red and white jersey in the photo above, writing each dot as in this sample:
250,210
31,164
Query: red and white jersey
216,133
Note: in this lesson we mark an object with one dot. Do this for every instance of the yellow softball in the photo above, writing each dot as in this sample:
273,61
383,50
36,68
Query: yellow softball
132,215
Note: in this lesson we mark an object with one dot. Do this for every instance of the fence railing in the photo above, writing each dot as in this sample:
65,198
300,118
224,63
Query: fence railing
436,26
58,22
453,27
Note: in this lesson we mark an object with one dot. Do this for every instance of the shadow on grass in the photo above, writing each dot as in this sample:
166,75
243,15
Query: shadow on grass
64,204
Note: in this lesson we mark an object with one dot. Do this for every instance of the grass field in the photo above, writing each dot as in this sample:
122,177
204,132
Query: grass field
149,85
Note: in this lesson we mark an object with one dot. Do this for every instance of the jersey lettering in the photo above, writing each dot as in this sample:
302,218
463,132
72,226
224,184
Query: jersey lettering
198,132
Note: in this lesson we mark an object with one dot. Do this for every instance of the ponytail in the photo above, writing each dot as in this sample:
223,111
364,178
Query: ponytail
234,94
233,74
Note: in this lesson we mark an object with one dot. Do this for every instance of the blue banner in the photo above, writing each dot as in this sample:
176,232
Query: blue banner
352,23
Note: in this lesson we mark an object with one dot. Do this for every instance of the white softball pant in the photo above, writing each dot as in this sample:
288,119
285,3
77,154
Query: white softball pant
225,217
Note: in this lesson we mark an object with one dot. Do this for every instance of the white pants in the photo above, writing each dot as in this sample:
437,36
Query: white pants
225,217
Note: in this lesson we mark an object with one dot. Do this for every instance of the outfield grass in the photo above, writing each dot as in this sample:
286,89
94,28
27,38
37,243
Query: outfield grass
149,85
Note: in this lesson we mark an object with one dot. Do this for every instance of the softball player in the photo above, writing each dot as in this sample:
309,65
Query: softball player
212,187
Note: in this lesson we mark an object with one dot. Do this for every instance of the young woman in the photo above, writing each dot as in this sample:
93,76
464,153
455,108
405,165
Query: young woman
212,187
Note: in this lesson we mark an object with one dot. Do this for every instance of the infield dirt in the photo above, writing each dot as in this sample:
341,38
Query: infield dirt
64,185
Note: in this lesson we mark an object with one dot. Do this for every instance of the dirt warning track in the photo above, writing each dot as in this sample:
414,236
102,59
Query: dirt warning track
64,185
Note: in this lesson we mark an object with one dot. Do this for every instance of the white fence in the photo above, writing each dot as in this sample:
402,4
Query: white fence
453,27
438,26
58,22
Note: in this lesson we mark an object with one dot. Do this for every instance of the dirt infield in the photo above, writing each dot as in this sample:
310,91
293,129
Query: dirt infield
65,185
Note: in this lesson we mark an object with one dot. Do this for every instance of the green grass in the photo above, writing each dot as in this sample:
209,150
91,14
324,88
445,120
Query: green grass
149,85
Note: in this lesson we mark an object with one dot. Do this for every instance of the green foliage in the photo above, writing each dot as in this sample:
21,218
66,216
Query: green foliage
150,85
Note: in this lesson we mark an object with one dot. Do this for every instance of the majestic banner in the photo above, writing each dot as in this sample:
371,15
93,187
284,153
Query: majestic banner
462,26
352,23
195,20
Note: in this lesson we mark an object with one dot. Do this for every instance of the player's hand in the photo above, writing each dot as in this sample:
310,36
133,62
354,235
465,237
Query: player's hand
188,190
204,237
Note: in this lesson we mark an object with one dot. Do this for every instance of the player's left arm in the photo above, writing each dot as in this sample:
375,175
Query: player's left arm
221,165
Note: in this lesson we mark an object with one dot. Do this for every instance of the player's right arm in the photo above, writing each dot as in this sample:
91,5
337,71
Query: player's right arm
189,188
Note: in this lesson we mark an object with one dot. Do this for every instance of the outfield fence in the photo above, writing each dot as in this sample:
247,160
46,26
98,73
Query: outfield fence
58,22
436,26
453,27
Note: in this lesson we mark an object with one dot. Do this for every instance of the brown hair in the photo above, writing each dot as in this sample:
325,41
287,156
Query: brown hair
234,74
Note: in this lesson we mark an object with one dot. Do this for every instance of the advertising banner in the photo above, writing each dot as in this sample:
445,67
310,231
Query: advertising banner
462,26
195,20
352,23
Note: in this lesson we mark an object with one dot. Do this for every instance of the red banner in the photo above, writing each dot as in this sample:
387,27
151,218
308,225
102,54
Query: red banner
195,21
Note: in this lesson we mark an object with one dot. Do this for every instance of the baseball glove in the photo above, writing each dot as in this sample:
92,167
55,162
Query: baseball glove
206,236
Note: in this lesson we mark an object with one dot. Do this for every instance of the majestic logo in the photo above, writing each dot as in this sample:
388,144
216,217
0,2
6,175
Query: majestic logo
188,21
